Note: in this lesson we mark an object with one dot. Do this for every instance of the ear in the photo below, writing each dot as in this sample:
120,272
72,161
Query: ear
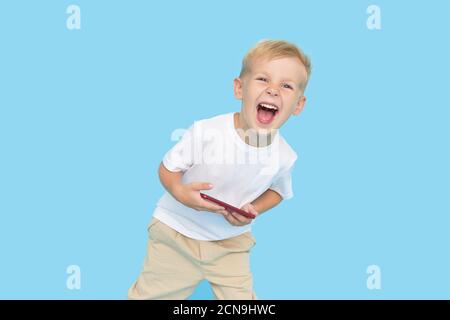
237,84
299,107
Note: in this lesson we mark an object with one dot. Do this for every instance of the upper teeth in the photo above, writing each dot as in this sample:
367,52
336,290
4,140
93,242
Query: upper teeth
269,106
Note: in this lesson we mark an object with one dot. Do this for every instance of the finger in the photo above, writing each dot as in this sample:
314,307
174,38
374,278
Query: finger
223,212
231,219
240,218
211,206
226,213
252,210
201,185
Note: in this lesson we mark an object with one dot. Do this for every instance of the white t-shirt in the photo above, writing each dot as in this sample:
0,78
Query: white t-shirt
211,150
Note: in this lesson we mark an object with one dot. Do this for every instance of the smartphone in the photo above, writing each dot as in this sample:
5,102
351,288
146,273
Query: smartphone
228,206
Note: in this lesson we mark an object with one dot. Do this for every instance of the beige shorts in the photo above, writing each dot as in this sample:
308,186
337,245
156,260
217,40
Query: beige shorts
175,264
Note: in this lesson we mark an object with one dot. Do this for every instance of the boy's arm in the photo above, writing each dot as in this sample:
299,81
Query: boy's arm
188,194
266,201
170,180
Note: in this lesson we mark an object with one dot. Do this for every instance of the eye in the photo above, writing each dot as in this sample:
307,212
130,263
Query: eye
261,78
287,86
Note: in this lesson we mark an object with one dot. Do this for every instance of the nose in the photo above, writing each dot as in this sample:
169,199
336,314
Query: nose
272,92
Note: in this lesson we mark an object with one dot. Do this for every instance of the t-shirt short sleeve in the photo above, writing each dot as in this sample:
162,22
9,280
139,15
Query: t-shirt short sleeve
180,156
282,183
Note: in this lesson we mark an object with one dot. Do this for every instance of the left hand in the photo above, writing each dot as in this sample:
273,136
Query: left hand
238,220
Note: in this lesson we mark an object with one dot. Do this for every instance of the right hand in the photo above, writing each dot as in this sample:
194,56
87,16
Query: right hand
189,195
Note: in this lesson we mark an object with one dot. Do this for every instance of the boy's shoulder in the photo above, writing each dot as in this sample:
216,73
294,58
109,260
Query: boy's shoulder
215,120
286,151
221,122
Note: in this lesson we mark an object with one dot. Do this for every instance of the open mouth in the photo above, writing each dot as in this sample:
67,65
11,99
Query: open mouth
266,112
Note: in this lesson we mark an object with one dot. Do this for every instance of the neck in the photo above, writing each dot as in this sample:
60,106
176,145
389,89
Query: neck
252,137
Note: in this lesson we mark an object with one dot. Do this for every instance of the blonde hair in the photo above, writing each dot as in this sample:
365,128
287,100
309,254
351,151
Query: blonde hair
273,49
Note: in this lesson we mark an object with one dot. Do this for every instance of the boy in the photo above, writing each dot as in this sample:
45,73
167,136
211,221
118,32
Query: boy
239,158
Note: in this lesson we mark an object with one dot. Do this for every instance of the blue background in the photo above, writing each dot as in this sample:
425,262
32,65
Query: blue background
86,116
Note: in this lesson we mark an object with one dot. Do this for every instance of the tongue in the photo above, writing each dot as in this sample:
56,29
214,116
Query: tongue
265,116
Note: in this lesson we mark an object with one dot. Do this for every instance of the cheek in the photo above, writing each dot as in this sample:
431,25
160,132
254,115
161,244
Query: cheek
251,93
286,97
289,97
257,86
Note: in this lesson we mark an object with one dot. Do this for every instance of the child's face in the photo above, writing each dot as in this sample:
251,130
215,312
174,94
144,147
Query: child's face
270,92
